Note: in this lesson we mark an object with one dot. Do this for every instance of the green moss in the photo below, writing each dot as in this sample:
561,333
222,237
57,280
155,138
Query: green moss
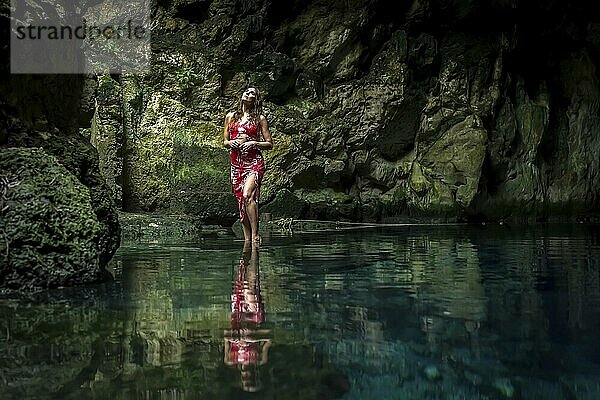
51,231
327,204
327,195
282,147
442,197
201,183
418,182
204,132
307,109
149,171
186,76
107,87
80,158
395,198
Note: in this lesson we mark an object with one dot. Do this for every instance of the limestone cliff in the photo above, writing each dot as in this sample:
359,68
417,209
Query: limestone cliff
378,109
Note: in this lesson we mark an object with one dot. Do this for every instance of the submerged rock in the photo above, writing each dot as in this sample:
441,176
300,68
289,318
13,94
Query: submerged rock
167,229
432,373
505,387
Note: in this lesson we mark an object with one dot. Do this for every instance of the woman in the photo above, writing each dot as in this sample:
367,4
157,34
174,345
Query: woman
241,134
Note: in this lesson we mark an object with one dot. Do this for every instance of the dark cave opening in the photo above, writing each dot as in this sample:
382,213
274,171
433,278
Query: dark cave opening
195,13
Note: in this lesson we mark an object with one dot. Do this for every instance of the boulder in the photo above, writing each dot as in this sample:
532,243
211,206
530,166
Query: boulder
50,232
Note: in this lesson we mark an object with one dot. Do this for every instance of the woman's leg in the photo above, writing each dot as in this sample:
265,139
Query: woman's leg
251,206
247,228
237,182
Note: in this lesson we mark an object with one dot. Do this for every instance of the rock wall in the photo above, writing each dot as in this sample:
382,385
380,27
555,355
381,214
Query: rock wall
45,120
379,111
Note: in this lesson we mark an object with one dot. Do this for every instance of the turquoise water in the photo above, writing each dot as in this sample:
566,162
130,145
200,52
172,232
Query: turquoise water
439,312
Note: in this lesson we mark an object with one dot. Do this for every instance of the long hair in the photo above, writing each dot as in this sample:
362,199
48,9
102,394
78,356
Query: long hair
255,111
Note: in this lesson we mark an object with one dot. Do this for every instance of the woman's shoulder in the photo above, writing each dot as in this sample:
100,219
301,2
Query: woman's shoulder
230,118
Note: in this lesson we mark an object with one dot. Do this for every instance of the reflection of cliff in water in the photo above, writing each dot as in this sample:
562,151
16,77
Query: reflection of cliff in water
45,348
178,322
343,311
483,303
160,336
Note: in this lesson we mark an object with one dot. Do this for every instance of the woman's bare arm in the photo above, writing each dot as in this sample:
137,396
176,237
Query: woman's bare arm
233,144
268,142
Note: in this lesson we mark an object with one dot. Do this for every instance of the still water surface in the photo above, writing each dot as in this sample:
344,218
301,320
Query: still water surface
438,312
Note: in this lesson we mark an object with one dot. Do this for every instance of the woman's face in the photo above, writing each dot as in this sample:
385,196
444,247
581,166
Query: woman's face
249,95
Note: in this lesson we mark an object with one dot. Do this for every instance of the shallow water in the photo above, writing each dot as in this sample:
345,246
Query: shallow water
438,312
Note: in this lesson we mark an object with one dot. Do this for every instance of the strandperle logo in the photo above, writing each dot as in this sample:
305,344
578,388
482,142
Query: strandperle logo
129,31
67,36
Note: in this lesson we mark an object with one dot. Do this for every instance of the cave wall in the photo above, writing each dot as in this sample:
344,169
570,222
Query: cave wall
379,110
51,179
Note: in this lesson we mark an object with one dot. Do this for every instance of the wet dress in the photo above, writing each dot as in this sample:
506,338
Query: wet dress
245,164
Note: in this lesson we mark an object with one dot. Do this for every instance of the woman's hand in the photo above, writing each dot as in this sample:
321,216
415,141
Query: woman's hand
250,144
238,141
235,144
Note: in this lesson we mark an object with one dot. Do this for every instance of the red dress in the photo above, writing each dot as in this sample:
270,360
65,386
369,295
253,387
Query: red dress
244,164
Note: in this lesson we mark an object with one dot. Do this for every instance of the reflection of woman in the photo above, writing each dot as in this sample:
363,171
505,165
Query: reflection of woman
245,344
241,134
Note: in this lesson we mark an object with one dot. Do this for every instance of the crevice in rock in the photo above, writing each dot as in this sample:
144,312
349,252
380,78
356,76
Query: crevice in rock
195,13
398,135
280,12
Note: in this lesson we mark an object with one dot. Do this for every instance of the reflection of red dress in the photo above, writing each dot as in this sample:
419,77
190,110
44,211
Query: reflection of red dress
245,164
244,353
247,313
243,308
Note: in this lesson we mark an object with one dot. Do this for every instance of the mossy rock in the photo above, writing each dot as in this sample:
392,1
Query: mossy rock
327,204
80,158
285,204
201,184
50,230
